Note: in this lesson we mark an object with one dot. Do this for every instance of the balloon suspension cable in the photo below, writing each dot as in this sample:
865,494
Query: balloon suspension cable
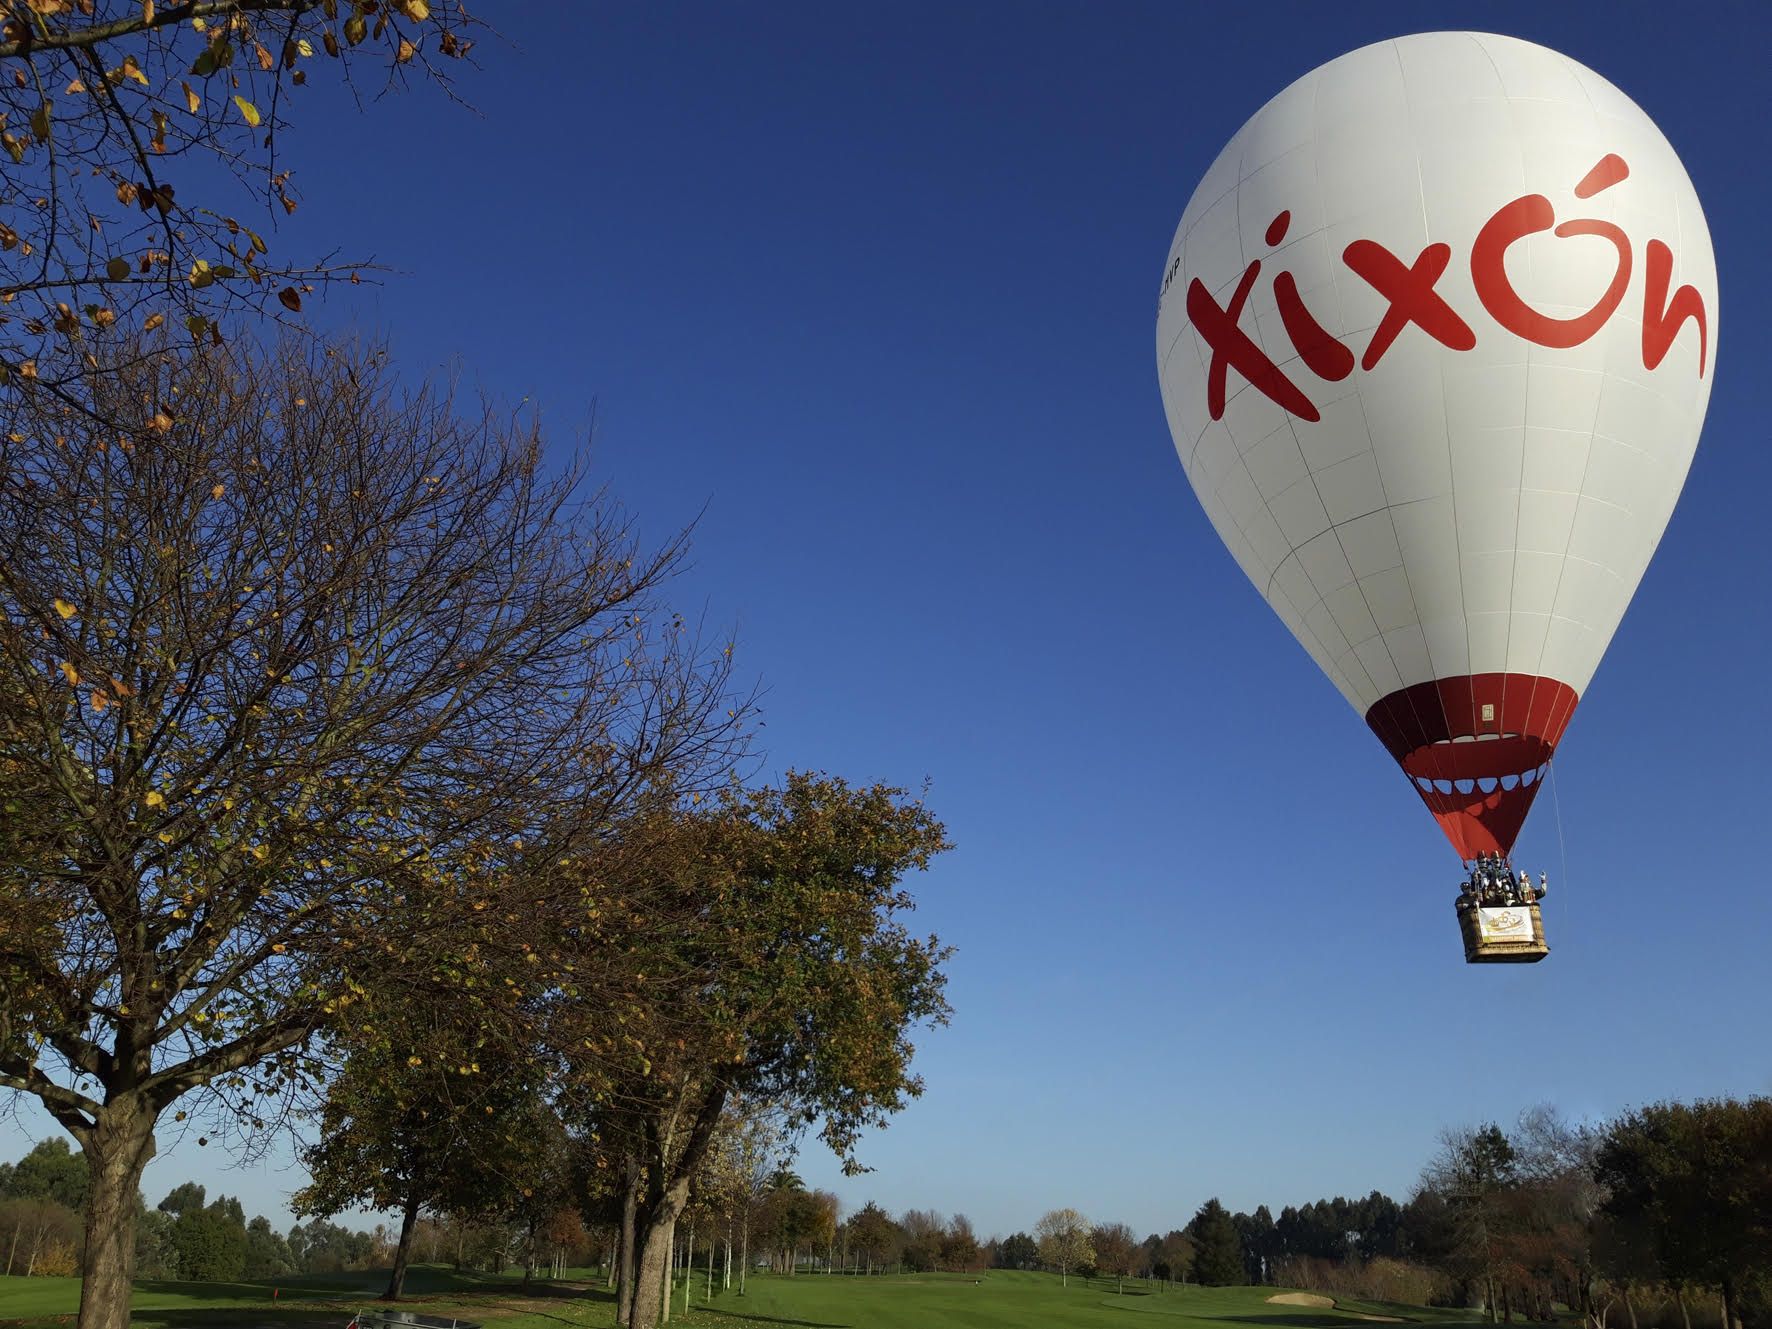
1562,851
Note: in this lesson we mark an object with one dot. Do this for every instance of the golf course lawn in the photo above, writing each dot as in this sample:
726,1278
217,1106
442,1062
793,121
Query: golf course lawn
995,1300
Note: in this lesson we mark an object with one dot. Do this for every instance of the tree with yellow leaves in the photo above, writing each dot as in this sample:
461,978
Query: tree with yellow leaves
122,123
305,685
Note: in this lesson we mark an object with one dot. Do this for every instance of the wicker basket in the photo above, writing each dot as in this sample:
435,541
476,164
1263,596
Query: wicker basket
1498,936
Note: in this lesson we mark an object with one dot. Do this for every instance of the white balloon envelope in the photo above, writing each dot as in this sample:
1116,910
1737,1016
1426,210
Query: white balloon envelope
1435,338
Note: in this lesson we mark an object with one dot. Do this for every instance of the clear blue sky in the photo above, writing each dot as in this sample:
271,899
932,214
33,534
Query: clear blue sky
876,287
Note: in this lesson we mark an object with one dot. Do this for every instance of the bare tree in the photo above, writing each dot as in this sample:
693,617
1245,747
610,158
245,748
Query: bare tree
297,675
1117,1251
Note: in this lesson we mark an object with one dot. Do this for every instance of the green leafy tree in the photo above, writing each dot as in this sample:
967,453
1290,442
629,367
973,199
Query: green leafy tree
325,1248
50,1171
1017,1251
426,1113
183,1198
1693,1182
873,1235
1260,1242
211,1245
787,976
281,725
155,1254
1218,1249
1475,1172
267,1253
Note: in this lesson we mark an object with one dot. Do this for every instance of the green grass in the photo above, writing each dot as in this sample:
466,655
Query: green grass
995,1300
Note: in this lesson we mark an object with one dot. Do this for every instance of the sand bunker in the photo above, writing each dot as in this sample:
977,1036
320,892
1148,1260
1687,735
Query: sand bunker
1328,1304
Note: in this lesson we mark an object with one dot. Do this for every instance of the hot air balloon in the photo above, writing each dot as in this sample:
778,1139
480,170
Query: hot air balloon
1435,337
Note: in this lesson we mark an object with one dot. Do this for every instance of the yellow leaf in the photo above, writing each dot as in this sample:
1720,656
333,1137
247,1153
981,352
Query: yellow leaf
154,321
155,799
415,1061
406,51
218,491
70,673
134,71
192,101
260,852
147,11
248,112
65,609
416,10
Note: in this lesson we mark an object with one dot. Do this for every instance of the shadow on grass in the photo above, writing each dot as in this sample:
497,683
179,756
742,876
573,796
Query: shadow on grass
770,1319
1308,1320
238,1317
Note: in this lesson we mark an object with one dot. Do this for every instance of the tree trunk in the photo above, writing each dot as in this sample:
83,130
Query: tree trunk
656,1252
1729,1303
403,1252
626,1263
726,1280
744,1252
1679,1300
688,1268
651,1266
1630,1310
12,1249
118,1146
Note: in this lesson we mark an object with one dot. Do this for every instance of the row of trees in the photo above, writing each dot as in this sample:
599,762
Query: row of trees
43,1197
1638,1217
353,767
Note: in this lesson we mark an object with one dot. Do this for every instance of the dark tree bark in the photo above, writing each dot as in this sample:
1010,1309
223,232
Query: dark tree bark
118,1145
403,1253
625,1262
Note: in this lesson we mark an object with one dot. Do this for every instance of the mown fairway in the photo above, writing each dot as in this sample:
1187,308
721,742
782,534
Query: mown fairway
997,1300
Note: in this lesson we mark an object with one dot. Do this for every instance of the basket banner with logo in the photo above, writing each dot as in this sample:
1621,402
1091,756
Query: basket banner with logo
1505,924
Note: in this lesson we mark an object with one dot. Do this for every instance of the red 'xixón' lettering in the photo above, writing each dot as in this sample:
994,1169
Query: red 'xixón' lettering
1409,289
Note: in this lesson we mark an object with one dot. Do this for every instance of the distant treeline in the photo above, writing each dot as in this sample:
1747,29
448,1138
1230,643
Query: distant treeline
42,1207
1660,1217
